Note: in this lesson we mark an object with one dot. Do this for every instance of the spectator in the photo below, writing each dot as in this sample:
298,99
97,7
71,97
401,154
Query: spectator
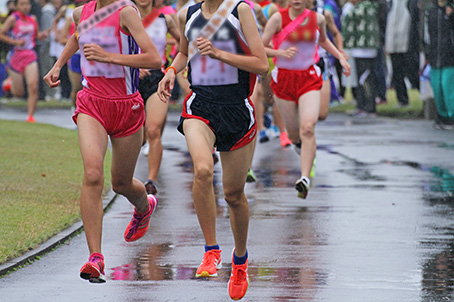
362,36
397,44
438,38
380,64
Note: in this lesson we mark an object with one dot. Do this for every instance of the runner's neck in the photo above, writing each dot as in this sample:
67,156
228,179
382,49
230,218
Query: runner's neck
145,11
209,7
102,3
293,13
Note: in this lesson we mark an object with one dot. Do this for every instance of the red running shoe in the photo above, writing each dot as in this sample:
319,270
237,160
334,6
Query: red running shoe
93,270
140,222
239,281
211,262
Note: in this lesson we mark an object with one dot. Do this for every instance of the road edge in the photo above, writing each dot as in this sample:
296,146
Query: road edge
52,243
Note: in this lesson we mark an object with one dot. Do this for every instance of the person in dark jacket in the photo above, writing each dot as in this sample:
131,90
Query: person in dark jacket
439,42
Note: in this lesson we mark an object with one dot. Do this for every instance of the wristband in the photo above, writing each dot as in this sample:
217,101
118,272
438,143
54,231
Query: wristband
171,67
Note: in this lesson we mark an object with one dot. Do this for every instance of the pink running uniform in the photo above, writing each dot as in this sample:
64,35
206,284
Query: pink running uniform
106,79
25,28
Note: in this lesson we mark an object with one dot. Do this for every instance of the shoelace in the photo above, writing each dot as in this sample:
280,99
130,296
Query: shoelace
135,223
208,258
239,276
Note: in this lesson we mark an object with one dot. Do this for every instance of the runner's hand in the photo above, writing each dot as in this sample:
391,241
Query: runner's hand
206,48
346,69
143,73
166,85
95,52
51,78
288,53
20,42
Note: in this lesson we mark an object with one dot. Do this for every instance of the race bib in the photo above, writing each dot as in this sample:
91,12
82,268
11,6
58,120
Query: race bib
106,38
158,34
28,38
211,72
302,60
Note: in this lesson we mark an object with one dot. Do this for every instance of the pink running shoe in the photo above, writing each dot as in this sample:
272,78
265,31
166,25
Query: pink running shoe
93,270
140,222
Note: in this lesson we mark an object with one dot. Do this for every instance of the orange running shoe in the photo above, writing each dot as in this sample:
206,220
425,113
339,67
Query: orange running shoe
6,85
93,270
138,226
239,281
211,262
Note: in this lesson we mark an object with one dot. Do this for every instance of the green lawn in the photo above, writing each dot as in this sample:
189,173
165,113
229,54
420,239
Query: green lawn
39,184
390,109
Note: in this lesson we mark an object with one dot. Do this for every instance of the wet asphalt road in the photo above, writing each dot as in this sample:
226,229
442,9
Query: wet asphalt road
377,225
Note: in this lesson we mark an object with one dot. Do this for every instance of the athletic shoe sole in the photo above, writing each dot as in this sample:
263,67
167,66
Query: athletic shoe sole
206,274
301,187
92,274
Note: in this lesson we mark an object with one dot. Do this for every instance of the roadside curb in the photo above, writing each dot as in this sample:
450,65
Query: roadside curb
52,243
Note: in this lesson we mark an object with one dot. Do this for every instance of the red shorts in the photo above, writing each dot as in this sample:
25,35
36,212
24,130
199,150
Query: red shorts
20,59
291,84
121,116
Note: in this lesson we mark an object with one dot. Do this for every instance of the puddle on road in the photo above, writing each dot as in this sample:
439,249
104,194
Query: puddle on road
147,267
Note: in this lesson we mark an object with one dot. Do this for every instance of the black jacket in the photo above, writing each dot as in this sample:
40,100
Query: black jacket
439,37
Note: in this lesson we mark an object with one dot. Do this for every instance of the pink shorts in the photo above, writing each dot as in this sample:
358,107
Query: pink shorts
20,59
120,116
291,84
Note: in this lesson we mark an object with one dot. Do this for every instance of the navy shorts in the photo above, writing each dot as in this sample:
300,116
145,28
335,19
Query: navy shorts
233,123
149,84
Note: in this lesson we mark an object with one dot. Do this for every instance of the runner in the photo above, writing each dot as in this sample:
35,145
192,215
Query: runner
325,62
22,61
74,71
109,105
296,80
218,113
157,26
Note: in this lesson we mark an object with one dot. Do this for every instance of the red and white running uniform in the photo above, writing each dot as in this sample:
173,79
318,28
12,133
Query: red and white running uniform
298,75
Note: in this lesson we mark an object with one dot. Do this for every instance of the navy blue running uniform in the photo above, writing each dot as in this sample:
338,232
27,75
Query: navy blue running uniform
220,92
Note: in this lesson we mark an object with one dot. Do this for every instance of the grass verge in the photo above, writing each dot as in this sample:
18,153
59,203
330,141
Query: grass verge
39,184
390,109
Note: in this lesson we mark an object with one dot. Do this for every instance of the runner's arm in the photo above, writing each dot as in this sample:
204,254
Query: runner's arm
9,23
332,28
51,78
259,15
179,63
256,62
272,27
65,31
329,46
172,29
